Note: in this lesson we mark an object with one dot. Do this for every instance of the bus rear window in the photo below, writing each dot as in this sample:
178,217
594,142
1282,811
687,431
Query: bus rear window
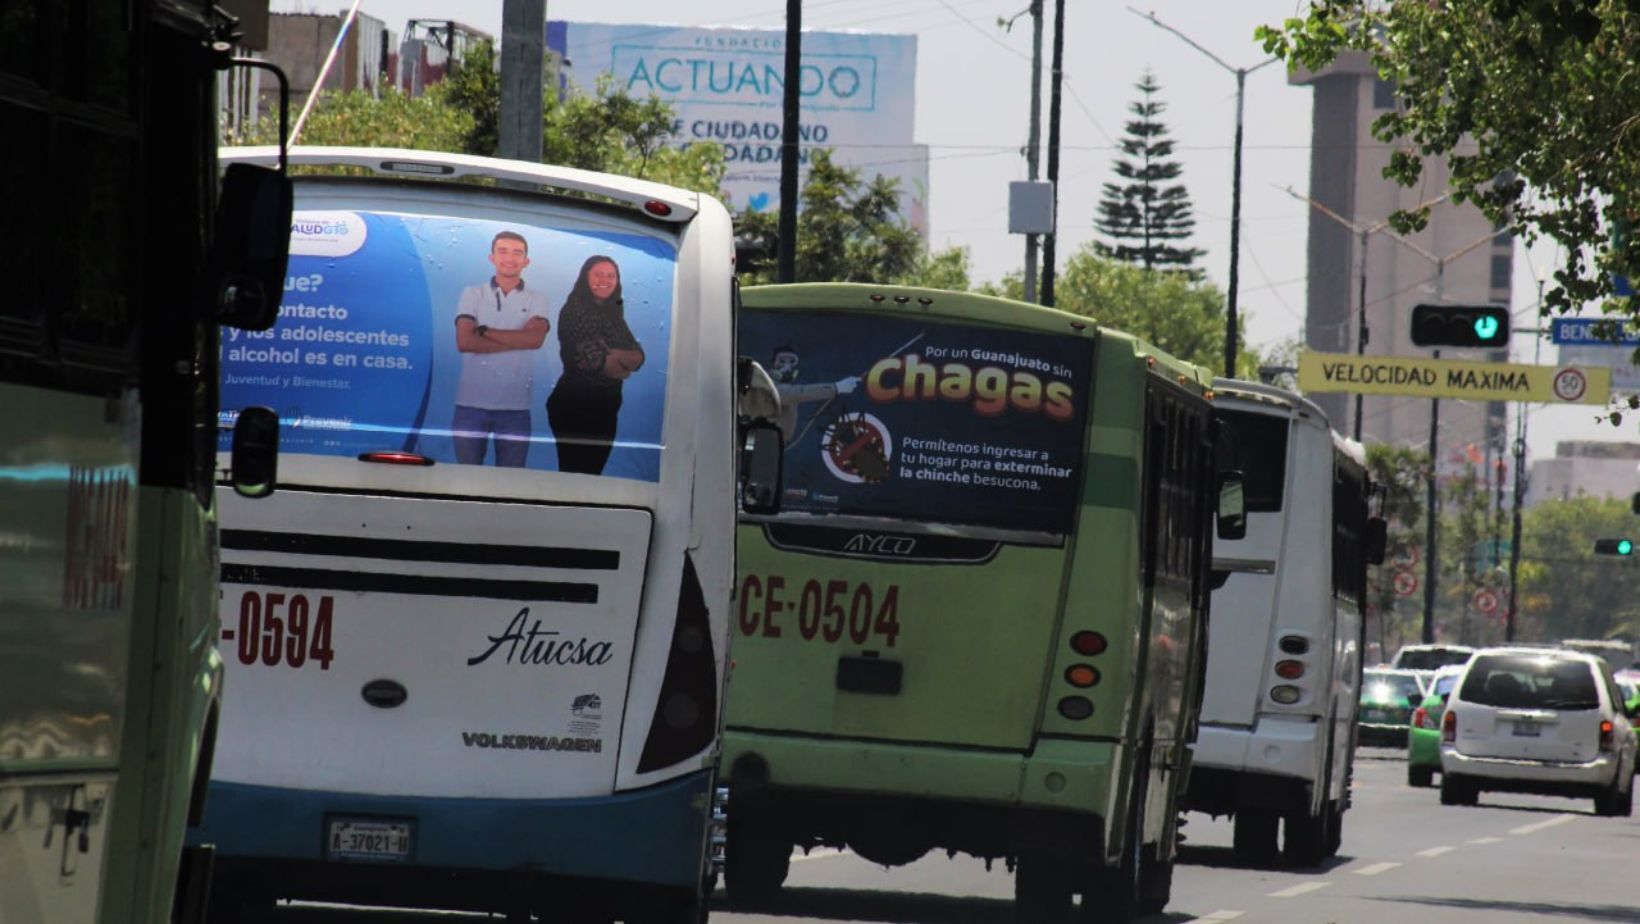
513,342
912,419
1256,446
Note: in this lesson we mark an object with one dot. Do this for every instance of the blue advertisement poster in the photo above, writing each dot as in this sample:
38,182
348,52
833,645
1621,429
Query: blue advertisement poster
923,421
465,341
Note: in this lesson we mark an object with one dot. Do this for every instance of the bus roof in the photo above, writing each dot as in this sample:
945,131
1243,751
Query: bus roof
967,306
1278,397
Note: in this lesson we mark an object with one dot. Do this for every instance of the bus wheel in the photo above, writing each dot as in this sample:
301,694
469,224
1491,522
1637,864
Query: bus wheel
1117,895
1156,886
676,908
1043,890
1254,840
1335,832
1307,837
755,862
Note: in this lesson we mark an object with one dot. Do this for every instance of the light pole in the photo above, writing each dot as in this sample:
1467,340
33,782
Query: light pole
1362,232
1230,332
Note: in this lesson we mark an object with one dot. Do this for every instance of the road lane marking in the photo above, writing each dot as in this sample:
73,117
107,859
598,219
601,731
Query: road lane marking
1540,825
1216,917
1435,851
1302,888
819,853
1487,840
1375,869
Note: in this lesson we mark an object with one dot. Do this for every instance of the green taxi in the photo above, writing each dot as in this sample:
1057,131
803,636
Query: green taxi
1424,733
1388,696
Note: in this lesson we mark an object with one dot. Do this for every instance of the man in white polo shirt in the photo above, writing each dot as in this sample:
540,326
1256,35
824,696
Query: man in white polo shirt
499,326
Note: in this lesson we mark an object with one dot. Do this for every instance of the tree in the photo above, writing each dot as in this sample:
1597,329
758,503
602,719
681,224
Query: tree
1566,590
1142,215
849,230
1535,104
1401,472
608,130
1179,314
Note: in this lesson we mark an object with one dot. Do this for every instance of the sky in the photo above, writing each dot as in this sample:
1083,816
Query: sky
972,98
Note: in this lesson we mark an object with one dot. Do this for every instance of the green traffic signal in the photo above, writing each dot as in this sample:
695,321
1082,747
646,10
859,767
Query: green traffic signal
1614,546
1483,326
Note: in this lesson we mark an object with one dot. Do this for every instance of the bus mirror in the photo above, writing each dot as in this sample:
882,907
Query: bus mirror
255,464
1377,540
1232,506
761,456
246,275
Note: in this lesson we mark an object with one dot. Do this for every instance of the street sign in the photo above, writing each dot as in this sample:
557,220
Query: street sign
1586,332
1485,602
1452,378
1405,583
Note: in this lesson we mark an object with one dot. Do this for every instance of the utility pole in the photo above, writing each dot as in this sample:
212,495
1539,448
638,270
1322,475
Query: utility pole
1032,154
1051,243
523,42
790,110
1520,492
1231,334
1432,568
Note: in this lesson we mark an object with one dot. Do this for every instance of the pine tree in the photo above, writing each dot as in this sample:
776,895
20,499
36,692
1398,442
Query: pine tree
1141,217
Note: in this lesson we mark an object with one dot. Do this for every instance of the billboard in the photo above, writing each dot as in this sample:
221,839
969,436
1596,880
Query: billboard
726,84
466,341
926,422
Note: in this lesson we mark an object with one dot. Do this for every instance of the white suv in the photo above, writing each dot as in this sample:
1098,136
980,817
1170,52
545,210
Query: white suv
1538,720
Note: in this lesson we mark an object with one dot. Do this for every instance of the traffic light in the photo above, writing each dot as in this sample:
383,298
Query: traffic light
1460,326
1614,546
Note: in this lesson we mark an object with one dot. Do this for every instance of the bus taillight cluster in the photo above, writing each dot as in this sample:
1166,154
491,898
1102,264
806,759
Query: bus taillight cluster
1088,644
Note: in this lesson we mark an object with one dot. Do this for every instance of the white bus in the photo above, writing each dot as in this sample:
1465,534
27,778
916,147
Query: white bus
1275,747
477,639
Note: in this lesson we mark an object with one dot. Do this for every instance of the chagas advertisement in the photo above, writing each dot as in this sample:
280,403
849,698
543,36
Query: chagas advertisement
925,421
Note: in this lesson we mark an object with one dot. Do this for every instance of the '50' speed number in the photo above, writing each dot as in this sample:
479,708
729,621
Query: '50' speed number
827,610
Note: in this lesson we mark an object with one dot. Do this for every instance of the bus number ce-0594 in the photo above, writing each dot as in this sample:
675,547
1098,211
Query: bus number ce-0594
288,629
829,611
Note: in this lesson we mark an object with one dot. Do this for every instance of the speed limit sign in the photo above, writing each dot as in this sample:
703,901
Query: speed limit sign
1405,583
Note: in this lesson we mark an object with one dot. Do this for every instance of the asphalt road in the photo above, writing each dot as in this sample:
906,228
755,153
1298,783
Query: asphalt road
1405,858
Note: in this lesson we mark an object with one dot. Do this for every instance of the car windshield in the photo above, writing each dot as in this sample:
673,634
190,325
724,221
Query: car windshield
1387,688
1428,659
1530,682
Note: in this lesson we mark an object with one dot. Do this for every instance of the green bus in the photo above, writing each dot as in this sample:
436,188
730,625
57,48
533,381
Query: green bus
118,272
977,623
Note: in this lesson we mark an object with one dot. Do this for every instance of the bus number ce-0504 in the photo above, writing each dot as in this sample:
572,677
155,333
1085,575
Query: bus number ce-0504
830,610
286,629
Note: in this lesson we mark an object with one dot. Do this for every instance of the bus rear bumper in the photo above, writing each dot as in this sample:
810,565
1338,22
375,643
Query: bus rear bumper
987,803
654,836
1272,765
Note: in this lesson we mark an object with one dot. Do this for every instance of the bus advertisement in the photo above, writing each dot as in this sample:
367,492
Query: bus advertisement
482,625
976,623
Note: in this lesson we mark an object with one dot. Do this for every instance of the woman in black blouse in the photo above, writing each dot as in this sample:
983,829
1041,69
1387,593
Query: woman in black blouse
599,353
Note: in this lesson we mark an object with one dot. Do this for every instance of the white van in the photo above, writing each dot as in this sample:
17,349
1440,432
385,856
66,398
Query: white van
1284,644
1541,721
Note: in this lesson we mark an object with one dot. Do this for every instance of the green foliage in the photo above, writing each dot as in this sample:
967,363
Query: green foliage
1548,92
1142,214
1179,314
392,120
1401,473
608,131
849,230
1566,590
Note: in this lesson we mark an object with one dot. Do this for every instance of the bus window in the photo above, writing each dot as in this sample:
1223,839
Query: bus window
1256,445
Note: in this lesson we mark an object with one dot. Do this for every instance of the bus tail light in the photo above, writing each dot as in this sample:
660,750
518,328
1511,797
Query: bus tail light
1289,670
686,713
1608,740
1081,675
1286,694
387,457
1075,708
1449,727
1088,643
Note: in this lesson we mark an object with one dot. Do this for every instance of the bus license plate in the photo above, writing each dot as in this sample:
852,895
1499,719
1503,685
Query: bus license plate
1528,730
368,839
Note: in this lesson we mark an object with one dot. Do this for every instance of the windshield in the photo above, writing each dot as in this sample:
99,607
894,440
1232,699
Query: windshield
1530,682
1379,687
926,421
1256,446
1428,659
516,340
